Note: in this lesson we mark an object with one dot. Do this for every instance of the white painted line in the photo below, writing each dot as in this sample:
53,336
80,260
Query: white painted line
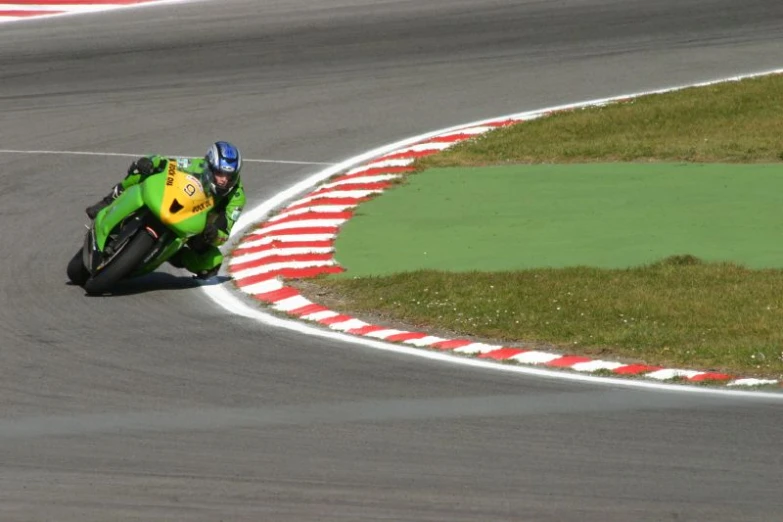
292,303
424,147
303,223
286,238
534,357
263,287
224,297
115,7
129,155
71,153
221,295
383,334
671,373
70,8
425,341
350,324
246,258
349,194
363,179
594,366
320,316
751,382
286,162
469,130
402,162
474,348
271,267
314,208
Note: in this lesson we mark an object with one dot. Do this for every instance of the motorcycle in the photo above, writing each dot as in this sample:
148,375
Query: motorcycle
140,230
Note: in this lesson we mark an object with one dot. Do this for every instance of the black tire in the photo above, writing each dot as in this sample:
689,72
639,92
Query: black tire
77,272
122,264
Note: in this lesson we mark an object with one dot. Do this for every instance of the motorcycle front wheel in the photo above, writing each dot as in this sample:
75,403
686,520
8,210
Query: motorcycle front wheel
122,264
77,272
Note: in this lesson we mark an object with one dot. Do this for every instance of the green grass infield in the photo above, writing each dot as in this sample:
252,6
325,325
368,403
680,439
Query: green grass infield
555,216
648,230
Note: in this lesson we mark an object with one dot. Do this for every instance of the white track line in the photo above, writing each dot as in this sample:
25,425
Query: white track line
64,8
76,10
229,300
124,154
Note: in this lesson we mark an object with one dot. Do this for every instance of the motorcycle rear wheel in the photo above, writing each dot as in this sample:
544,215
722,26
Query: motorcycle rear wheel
121,265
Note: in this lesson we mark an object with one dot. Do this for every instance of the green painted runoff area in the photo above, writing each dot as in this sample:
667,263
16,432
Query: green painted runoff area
602,215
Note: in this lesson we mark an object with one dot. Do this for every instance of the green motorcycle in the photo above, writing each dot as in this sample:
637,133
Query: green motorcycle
143,228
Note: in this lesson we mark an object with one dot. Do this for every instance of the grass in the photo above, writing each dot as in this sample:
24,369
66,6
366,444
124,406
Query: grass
734,122
679,311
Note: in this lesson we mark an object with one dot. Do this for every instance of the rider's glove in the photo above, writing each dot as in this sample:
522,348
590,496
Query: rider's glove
143,166
203,242
210,233
116,191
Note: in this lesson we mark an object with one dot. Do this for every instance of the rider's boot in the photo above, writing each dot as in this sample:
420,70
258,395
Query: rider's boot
93,210
204,265
207,274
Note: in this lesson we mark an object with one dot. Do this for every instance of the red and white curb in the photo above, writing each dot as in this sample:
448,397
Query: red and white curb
298,242
27,9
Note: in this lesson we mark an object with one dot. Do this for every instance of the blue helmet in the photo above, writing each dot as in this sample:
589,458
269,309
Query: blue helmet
224,161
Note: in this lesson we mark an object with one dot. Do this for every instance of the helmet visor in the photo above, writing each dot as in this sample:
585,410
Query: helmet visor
222,180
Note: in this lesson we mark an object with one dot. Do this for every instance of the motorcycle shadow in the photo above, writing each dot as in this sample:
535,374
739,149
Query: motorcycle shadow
160,281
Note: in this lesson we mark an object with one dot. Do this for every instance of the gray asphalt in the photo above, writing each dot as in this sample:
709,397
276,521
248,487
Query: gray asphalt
156,405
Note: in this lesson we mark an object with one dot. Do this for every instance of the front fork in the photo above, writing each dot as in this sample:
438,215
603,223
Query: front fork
95,259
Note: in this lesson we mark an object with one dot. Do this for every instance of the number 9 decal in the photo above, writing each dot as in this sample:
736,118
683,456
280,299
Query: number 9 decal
189,189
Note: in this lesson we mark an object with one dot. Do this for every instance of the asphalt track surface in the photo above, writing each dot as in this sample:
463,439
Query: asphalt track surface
156,405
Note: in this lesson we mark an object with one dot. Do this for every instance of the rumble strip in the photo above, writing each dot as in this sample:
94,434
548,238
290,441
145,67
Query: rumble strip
34,9
298,242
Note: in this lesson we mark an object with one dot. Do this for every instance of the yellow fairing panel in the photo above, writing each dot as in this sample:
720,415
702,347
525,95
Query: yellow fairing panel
183,197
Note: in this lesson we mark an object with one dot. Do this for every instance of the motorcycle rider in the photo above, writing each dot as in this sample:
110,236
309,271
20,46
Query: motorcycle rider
219,172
